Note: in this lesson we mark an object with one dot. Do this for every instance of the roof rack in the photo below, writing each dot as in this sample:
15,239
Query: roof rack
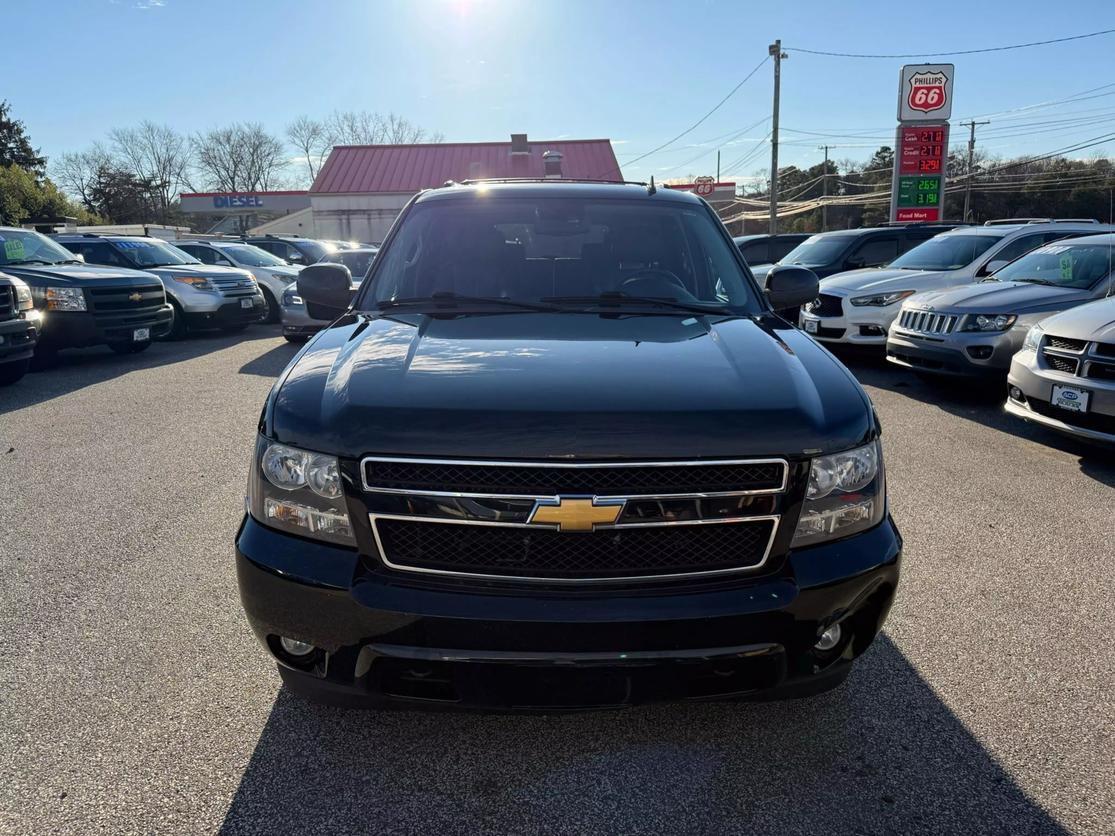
1011,221
475,181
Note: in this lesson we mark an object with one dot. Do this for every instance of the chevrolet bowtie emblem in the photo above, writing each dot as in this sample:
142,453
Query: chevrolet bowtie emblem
135,297
582,514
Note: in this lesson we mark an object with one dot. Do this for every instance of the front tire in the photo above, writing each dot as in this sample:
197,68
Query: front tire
11,372
273,312
130,347
178,327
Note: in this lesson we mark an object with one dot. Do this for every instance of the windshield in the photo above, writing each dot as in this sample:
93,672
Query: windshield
21,246
357,261
152,253
1063,265
565,252
947,252
251,256
818,250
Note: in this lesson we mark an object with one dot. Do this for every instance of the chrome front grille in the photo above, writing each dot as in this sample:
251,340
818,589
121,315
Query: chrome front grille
927,322
235,286
7,302
495,520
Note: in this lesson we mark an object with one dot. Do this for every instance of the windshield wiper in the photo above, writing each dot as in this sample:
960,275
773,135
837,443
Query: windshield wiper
446,299
1045,282
615,299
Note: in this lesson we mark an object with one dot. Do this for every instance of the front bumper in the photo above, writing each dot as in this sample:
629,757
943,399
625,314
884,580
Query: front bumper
959,354
855,326
80,329
1035,385
383,640
17,339
230,313
297,323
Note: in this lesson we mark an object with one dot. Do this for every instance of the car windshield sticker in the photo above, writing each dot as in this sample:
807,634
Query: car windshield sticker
1066,268
133,245
1053,249
14,250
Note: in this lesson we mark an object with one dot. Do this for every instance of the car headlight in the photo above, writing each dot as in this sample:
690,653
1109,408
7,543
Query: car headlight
845,495
197,282
23,298
1033,338
62,298
284,277
299,492
881,300
989,322
291,297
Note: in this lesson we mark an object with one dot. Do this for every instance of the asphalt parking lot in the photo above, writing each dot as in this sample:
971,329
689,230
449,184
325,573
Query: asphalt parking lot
133,698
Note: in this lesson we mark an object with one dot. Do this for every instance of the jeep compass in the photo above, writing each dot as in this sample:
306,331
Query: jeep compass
557,451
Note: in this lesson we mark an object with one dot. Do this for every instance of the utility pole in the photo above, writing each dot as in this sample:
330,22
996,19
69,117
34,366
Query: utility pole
775,50
717,165
971,161
825,191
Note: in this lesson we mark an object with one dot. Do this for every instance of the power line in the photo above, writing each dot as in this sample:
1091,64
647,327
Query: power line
955,52
700,121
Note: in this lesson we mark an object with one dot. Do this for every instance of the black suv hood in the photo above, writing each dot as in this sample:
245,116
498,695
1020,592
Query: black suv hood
566,386
80,275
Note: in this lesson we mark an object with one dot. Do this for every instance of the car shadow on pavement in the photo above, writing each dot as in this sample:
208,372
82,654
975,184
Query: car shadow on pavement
880,754
979,401
273,361
78,368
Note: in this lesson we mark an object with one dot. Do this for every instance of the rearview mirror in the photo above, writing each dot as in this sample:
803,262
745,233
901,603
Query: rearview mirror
326,289
789,286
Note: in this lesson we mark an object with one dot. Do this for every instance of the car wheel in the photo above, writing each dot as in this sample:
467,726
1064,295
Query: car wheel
273,310
178,327
130,347
11,372
295,338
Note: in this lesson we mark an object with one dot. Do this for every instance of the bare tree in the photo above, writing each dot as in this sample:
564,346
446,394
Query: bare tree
397,130
312,138
239,158
354,127
155,153
79,172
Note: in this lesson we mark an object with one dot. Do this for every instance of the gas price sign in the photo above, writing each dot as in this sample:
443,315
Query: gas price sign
921,143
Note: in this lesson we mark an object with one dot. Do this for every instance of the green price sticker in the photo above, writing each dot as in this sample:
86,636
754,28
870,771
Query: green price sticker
13,250
1066,267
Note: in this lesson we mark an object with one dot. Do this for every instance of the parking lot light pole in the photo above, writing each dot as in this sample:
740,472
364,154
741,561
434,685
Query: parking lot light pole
775,50
825,191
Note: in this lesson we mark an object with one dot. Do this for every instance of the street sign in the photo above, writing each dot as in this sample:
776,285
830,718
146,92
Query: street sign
921,143
925,92
705,185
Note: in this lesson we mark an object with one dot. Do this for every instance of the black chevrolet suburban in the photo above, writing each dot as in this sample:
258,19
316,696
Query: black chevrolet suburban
81,305
19,329
557,451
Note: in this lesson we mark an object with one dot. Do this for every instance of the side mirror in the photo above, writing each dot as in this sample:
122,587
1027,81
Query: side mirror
855,262
296,258
79,257
790,286
326,289
992,266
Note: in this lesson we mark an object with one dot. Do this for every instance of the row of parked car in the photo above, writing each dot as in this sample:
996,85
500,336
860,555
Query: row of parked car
80,290
1028,300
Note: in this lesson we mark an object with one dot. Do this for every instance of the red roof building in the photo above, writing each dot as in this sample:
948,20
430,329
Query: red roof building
406,169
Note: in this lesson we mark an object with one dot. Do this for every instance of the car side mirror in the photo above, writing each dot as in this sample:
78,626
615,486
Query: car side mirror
326,289
79,257
789,286
992,266
855,262
296,258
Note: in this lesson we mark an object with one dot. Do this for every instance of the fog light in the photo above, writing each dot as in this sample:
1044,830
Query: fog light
979,352
1016,394
295,647
829,639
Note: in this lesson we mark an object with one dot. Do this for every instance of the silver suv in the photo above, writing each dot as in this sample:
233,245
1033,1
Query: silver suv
976,329
202,296
272,273
859,306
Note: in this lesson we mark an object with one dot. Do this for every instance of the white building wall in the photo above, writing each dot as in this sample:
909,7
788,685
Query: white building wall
365,217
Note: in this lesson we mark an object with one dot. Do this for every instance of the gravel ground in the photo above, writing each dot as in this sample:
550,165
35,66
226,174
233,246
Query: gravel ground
133,698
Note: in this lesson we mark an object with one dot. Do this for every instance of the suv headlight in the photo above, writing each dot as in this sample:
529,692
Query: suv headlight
846,495
299,492
989,322
881,300
1033,338
23,299
197,282
62,298
286,278
291,297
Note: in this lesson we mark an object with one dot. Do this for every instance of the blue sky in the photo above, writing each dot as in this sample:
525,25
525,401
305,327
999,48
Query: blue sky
636,72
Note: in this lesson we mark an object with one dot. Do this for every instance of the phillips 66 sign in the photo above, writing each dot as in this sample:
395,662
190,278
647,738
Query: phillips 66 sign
925,92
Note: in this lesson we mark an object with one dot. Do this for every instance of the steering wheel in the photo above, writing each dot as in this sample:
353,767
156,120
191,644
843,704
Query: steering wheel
655,281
